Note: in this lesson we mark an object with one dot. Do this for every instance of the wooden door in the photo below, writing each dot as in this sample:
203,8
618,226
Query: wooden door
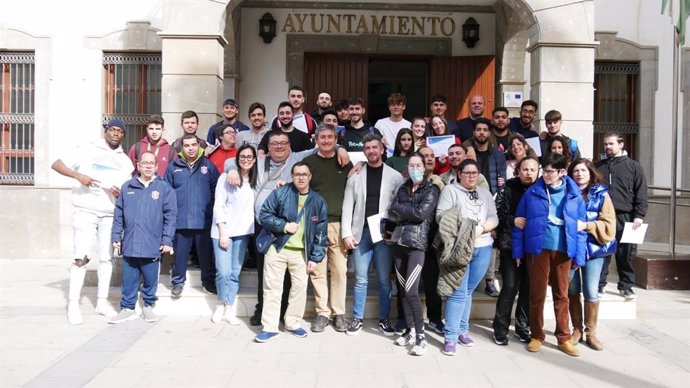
341,75
459,78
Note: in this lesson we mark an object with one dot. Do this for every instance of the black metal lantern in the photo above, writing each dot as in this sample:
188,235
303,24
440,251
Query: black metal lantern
267,28
470,32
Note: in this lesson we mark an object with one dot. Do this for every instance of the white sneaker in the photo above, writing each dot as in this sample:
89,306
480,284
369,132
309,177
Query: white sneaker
218,313
74,314
148,314
104,308
230,315
123,316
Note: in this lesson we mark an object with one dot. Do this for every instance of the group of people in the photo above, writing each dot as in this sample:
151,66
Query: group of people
287,187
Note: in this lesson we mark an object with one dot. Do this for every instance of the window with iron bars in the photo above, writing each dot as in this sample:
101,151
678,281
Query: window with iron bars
132,86
17,87
615,104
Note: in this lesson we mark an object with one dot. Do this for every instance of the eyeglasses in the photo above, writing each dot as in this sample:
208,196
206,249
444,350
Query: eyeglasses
300,175
550,171
529,112
470,173
246,157
230,132
147,164
279,143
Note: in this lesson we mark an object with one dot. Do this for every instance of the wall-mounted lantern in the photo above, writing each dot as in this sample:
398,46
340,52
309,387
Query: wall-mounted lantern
267,28
470,32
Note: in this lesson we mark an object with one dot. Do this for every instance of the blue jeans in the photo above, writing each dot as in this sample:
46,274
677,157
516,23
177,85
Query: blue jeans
459,303
586,279
132,269
363,255
228,266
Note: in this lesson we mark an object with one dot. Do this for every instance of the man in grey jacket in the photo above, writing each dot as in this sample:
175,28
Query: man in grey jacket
367,197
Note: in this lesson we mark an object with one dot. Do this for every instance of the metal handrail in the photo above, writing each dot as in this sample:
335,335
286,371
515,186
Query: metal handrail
667,189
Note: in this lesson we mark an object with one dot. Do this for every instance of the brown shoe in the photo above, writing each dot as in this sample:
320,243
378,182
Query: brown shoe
575,308
534,345
591,316
569,349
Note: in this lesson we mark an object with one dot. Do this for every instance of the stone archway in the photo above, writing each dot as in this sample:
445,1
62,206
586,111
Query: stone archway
561,67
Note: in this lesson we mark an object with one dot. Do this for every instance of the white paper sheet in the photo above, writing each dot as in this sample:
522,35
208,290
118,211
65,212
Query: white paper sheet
357,156
633,236
440,144
374,223
535,145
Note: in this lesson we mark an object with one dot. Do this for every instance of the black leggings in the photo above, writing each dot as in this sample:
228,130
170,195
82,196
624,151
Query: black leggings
408,270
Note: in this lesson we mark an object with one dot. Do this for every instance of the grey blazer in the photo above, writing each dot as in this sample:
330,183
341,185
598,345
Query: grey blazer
354,201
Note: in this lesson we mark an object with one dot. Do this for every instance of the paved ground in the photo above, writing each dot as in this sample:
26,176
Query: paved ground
40,349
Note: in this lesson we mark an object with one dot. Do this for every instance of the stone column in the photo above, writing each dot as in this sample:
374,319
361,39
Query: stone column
562,51
193,50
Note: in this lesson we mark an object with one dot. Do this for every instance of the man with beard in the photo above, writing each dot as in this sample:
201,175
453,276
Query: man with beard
456,154
465,126
353,135
524,124
230,111
492,164
323,103
628,188
299,140
257,119
302,121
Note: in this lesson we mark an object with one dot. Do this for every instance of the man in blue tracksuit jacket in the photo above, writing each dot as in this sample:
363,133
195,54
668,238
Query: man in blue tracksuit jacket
143,229
194,179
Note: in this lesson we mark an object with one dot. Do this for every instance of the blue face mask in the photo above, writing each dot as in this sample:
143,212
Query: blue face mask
416,175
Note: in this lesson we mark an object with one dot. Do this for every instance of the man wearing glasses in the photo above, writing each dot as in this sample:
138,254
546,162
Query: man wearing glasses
143,230
100,168
298,218
227,136
524,124
274,171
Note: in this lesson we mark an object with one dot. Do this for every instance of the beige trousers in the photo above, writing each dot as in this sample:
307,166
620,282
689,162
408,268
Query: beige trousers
331,303
275,264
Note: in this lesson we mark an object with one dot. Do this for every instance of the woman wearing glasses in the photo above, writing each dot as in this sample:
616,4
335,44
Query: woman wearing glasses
546,238
233,224
412,210
477,204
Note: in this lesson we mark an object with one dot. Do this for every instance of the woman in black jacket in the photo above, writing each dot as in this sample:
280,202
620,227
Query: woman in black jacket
413,210
514,278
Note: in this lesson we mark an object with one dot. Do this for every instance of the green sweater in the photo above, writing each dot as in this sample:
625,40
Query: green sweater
329,179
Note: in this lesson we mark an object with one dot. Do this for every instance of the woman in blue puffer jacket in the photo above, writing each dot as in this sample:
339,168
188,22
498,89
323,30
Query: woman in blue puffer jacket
601,242
547,239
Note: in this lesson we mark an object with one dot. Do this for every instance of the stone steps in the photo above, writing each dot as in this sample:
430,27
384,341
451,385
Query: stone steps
195,301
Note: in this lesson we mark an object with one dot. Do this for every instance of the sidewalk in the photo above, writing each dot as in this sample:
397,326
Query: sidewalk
40,349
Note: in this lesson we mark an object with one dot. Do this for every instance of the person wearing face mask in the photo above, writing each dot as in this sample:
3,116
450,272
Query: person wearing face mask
413,210
476,204
546,237
514,278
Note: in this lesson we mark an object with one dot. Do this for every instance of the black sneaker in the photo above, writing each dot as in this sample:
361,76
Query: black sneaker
255,320
523,337
385,328
210,289
319,324
502,341
355,327
339,323
436,326
491,289
628,294
176,291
